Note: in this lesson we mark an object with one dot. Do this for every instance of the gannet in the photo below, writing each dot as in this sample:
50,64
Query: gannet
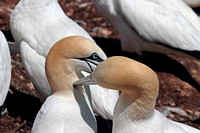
192,3
36,26
67,110
5,70
134,111
163,26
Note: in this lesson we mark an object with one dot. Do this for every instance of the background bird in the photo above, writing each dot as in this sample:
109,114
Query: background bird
5,70
162,26
36,26
134,111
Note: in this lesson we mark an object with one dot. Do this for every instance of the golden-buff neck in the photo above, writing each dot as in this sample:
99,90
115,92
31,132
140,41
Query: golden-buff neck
138,83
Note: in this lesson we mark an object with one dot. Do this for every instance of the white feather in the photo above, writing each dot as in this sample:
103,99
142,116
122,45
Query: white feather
61,114
5,68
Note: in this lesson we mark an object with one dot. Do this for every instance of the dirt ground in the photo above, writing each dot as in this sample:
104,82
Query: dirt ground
179,78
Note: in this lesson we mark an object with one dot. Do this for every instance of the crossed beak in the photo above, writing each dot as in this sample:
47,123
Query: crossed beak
88,79
85,81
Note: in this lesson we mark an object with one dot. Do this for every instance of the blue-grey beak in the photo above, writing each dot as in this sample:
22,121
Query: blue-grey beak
85,81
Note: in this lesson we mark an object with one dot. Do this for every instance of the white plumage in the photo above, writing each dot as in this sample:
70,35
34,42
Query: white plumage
36,26
61,114
143,24
134,111
5,68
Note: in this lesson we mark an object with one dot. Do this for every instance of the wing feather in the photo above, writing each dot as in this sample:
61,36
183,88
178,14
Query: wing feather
165,21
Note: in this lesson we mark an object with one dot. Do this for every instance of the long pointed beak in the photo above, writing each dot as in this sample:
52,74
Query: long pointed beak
85,81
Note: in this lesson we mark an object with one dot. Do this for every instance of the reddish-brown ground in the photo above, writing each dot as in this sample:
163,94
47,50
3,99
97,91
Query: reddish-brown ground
176,89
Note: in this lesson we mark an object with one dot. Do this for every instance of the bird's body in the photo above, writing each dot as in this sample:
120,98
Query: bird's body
36,26
61,113
144,24
5,68
192,3
134,111
157,123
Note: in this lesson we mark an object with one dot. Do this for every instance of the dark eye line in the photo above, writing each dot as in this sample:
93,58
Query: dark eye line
89,65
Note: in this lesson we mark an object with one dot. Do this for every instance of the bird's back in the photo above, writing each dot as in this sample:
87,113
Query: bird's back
42,27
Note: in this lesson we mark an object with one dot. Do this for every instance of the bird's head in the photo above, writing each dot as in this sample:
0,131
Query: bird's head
68,57
123,74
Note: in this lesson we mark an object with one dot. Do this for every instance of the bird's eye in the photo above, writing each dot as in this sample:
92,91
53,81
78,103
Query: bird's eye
95,56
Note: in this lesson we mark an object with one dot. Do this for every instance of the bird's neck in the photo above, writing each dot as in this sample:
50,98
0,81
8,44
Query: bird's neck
133,107
60,75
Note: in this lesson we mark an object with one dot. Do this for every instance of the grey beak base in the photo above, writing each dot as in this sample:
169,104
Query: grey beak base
85,81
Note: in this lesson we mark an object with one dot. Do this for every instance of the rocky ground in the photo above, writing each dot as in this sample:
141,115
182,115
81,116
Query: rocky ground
179,78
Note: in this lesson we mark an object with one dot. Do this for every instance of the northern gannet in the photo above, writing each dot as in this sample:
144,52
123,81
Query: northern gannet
134,111
192,3
36,26
5,69
163,26
67,109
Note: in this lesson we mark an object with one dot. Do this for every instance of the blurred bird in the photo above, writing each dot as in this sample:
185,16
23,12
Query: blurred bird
5,70
36,26
162,26
67,110
134,111
192,3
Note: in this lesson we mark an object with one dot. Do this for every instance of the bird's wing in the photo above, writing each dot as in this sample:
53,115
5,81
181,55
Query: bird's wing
5,68
170,22
103,100
34,65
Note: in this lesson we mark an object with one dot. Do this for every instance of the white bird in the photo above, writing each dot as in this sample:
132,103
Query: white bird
36,26
134,111
192,3
5,69
144,24
67,109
